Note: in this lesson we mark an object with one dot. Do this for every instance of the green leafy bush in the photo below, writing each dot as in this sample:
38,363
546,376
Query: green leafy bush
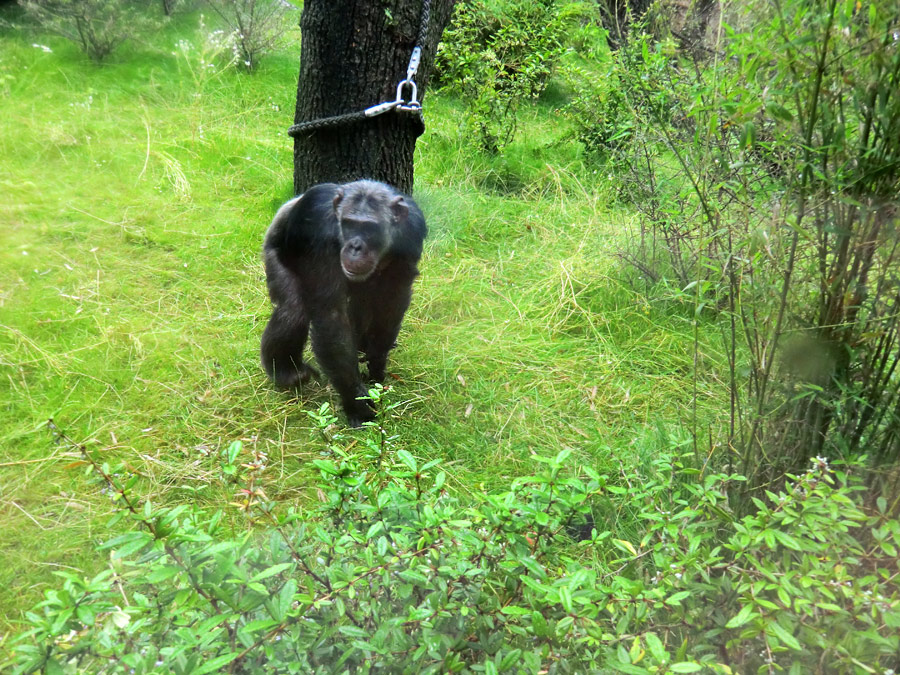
393,573
497,55
605,107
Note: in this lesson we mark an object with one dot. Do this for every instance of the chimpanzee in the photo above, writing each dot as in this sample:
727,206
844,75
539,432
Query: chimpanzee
340,261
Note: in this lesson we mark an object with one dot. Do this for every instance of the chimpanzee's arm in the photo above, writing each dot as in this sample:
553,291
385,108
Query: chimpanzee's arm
393,291
323,289
335,349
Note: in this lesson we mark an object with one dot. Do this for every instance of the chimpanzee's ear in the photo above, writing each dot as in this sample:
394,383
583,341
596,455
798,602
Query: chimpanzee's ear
338,197
400,209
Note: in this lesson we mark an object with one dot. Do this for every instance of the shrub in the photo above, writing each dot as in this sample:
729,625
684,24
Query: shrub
257,26
606,109
767,184
98,27
497,55
393,573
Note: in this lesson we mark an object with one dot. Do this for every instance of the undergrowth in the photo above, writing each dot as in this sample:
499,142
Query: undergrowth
392,572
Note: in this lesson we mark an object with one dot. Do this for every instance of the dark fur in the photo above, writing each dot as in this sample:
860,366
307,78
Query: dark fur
340,263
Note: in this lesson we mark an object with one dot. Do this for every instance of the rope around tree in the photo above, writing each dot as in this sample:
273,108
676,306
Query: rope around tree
401,103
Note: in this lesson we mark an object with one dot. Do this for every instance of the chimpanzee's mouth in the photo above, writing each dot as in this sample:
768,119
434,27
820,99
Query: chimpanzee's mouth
356,276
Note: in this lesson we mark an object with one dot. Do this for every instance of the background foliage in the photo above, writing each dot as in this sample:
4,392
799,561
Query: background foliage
767,180
643,416
499,55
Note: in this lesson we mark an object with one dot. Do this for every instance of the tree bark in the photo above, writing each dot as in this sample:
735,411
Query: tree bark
353,55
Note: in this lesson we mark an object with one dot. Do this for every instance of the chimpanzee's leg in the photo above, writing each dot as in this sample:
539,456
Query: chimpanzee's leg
281,350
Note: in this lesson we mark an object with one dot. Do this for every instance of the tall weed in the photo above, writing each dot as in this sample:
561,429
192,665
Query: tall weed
768,180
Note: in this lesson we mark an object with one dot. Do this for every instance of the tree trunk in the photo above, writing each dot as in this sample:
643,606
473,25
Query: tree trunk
353,55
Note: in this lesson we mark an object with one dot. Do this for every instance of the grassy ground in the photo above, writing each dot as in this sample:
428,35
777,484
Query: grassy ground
133,199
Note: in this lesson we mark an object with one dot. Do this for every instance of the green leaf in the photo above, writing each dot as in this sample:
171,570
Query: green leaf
622,667
515,610
354,632
216,663
278,606
624,546
511,657
685,667
784,596
85,614
831,607
787,540
208,624
539,624
656,647
676,598
779,112
161,574
326,467
376,527
565,597
131,547
271,571
533,566
783,636
636,653
414,577
234,449
747,612
748,135
562,456
262,624
408,459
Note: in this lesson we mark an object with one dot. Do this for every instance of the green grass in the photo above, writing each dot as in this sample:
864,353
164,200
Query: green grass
133,200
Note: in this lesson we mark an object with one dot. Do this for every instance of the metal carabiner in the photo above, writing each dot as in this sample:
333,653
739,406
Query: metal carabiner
381,108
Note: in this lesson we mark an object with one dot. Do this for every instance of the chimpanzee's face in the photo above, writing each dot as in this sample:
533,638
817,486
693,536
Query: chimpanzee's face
366,222
364,241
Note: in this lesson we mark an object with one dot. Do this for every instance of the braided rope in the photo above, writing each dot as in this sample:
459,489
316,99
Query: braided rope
340,120
309,126
424,22
325,122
